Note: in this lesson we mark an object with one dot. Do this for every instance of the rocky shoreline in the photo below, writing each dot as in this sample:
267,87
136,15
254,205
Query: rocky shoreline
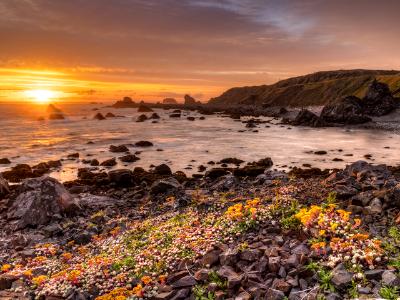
242,233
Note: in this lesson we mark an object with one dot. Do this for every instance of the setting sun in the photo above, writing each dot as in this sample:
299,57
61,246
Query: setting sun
41,96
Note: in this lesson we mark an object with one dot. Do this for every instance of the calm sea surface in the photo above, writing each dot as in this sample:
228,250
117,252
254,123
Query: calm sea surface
24,139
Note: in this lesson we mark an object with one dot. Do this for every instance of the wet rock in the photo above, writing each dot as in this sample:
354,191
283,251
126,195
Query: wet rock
175,115
122,177
130,158
39,201
73,155
378,100
321,152
4,161
94,162
109,162
143,144
189,100
164,186
141,118
155,116
231,160
216,173
110,115
99,117
191,118
18,173
144,108
346,111
120,148
162,169
307,118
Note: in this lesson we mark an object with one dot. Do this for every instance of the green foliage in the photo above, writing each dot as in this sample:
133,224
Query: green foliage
389,292
353,290
200,293
313,266
214,277
325,277
331,199
394,233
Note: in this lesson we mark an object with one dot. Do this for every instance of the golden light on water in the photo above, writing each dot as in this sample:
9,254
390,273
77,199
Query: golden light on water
41,96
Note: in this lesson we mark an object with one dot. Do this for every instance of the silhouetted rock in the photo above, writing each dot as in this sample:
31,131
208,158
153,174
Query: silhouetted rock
4,161
144,108
175,115
18,173
347,111
109,162
125,103
143,144
189,100
39,201
154,116
141,118
99,117
129,158
169,101
120,148
307,118
110,115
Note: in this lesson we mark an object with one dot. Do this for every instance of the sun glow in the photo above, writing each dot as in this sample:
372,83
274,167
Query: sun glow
41,96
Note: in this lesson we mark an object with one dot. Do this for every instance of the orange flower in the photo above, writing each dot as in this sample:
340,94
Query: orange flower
39,280
162,278
66,256
138,290
5,268
146,280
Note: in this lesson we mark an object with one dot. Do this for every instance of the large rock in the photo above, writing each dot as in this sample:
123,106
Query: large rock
378,100
39,201
99,116
4,188
170,101
119,148
307,118
162,169
18,173
144,108
164,186
122,177
127,102
347,111
189,100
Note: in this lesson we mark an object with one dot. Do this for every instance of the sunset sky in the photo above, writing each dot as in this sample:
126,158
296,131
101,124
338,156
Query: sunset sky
152,49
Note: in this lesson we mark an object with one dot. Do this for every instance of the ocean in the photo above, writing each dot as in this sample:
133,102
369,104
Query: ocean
185,144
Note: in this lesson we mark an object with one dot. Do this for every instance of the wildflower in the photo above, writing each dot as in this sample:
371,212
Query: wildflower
138,290
39,280
66,256
146,280
5,268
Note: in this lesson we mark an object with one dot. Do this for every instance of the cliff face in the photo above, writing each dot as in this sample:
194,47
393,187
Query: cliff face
319,88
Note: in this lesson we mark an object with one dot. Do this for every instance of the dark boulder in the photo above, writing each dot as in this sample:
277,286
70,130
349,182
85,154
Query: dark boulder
231,160
18,173
347,111
191,118
39,201
162,169
110,115
163,186
141,118
99,117
109,162
130,158
307,118
126,102
175,115
189,100
154,116
117,149
169,101
216,173
144,108
144,144
4,161
122,177
378,100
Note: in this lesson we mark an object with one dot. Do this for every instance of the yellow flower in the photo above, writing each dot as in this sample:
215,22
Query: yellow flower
5,268
138,290
27,273
322,232
66,256
39,280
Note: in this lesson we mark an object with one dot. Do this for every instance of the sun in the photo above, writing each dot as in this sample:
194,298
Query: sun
41,96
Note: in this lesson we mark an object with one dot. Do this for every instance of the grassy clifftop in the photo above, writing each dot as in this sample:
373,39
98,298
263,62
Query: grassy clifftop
314,89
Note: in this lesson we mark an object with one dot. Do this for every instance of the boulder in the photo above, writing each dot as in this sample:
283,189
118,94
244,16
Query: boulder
99,117
164,186
307,118
141,118
129,158
120,148
347,111
18,173
110,115
143,144
154,116
378,100
189,100
144,108
175,115
126,102
122,177
216,173
39,201
4,161
4,187
109,162
169,101
162,169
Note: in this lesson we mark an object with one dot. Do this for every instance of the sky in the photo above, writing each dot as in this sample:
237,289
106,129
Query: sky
152,49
